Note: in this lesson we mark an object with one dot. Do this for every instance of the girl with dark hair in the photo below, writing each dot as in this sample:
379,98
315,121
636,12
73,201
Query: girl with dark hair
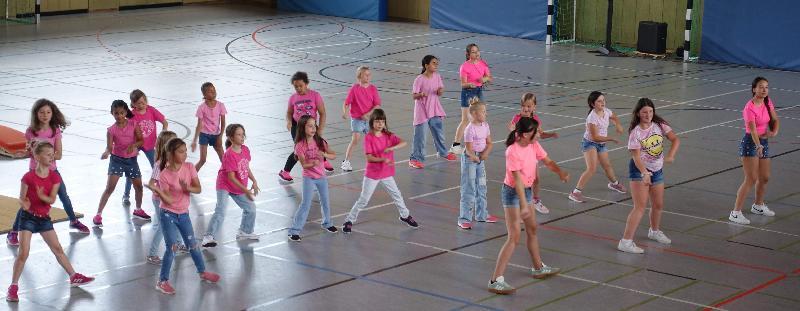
145,116
305,102
473,74
427,89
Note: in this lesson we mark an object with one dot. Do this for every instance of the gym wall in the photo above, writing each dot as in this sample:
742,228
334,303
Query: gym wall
525,19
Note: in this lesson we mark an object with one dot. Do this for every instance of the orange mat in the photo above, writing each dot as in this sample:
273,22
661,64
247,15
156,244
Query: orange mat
12,143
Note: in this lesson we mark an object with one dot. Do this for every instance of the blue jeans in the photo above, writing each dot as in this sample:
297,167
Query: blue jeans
248,212
158,235
437,131
301,215
467,94
172,224
65,202
473,190
150,154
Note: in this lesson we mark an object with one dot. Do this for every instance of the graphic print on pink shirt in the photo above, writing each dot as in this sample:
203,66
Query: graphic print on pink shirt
651,143
375,146
310,152
147,124
238,163
305,105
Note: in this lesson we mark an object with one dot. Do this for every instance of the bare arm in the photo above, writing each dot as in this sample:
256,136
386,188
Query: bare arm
637,160
51,198
235,182
323,115
593,133
197,133
24,203
519,186
675,143
109,145
773,133
221,125
164,125
617,125
563,175
58,154
489,146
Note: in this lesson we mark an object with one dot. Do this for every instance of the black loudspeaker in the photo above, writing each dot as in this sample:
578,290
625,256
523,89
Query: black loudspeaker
652,37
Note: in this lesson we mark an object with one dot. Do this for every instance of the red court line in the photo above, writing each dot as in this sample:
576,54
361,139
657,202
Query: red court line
748,292
669,250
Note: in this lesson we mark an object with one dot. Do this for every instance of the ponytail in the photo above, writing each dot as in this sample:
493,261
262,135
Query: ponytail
524,125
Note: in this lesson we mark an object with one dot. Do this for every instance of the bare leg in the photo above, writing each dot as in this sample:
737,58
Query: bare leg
110,185
512,224
750,168
639,191
51,239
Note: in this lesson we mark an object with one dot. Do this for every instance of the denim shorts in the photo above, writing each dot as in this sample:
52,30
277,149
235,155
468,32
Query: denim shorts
747,147
509,198
588,144
34,224
208,139
127,167
636,175
467,94
359,126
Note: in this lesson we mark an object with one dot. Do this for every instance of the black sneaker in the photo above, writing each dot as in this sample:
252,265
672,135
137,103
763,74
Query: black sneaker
294,238
347,227
410,222
332,229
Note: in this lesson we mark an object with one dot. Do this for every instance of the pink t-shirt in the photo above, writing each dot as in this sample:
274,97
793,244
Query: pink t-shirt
38,207
147,124
524,160
45,134
518,116
121,138
759,114
154,176
210,117
429,106
239,164
477,134
310,152
362,99
375,146
651,143
305,105
474,72
600,123
169,182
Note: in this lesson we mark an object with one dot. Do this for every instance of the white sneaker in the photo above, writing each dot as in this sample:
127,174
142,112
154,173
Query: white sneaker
540,207
246,236
761,209
208,241
346,166
658,236
457,149
738,218
629,247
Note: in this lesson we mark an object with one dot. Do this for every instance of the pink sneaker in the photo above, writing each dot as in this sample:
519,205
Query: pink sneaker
491,219
465,225
78,279
164,287
618,187
285,176
209,277
12,238
12,293
328,166
451,157
139,213
80,226
416,164
98,220
577,197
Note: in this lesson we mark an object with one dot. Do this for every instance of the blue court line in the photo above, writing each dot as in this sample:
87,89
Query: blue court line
359,277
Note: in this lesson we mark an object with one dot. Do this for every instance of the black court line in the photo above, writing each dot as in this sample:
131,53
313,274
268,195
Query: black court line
672,274
753,245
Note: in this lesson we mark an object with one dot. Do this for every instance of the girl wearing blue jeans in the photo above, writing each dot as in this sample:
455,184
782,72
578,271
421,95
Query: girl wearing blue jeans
478,143
158,236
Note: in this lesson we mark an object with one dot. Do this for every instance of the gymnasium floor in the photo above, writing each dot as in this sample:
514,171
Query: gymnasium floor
83,62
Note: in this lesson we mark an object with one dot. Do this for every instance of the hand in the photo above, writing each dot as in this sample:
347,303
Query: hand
194,146
554,135
669,160
485,79
615,140
484,156
439,91
105,155
289,126
250,196
760,151
511,125
564,176
184,185
386,160
387,150
771,134
475,158
25,203
131,149
344,116
471,85
646,180
422,95
255,189
151,188
40,192
619,130
315,162
321,154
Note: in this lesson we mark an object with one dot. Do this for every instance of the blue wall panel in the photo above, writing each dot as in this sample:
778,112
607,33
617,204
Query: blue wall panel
512,18
374,10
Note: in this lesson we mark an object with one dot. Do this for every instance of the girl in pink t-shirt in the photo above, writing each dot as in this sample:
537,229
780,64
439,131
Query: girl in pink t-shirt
646,144
158,235
478,142
362,99
210,123
47,121
761,123
311,150
379,146
594,148
37,191
473,74
523,153
123,140
177,179
145,116
232,182
427,89
527,106
305,102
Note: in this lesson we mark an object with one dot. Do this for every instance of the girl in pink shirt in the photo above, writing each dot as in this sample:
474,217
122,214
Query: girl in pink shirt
210,123
379,146
305,102
123,140
523,153
427,89
38,190
311,150
158,235
473,73
177,179
528,109
362,99
232,182
47,121
646,144
145,116
594,148
761,123
478,142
